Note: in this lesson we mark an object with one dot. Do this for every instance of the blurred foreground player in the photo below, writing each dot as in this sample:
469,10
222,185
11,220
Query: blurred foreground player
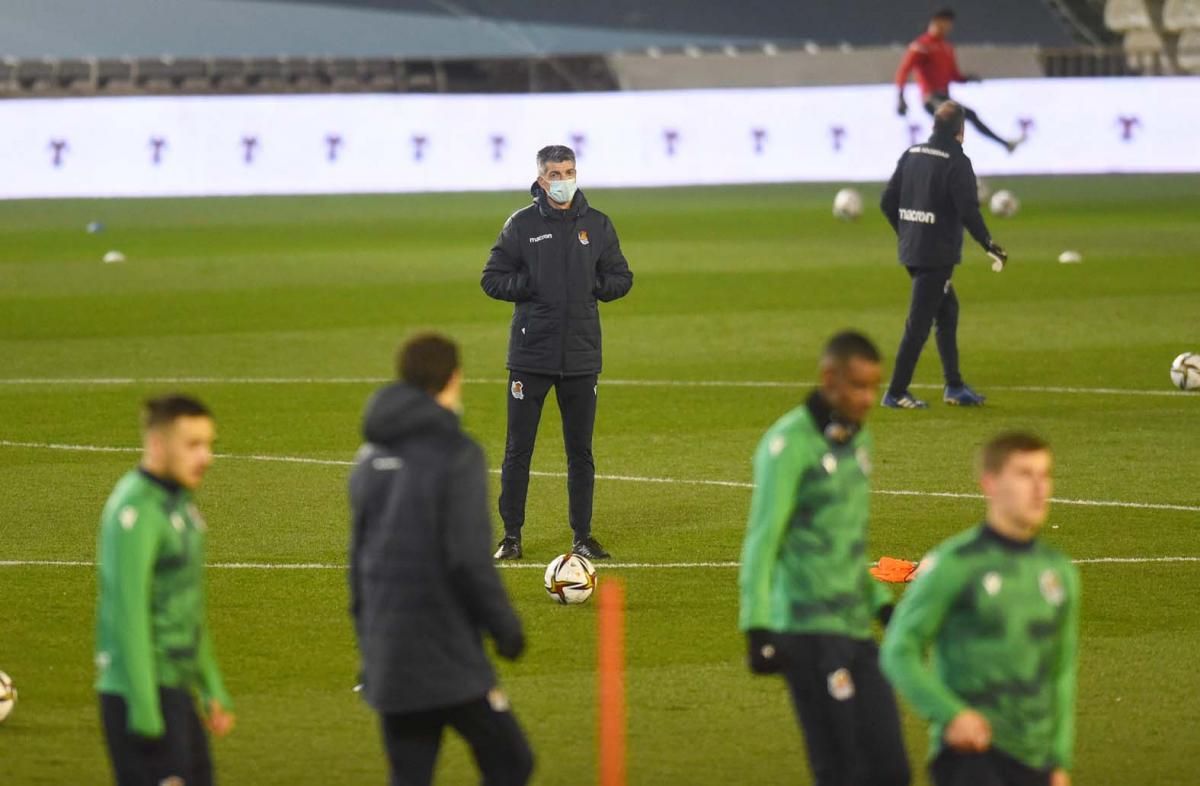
1000,611
153,649
807,601
932,56
423,588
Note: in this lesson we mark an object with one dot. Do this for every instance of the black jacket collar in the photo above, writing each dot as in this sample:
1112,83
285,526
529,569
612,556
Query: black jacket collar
946,142
1004,541
579,205
835,430
166,484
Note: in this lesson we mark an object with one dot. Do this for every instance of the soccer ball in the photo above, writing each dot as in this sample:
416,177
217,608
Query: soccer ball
570,579
847,205
1005,204
1185,371
982,190
8,696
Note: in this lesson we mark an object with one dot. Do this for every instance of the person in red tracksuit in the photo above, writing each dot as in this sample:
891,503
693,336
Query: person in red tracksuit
931,55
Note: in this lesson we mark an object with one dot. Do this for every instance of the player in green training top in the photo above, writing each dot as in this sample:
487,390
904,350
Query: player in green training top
1000,610
153,650
807,601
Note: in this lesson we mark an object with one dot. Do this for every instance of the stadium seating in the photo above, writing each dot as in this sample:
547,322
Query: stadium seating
1127,15
1152,33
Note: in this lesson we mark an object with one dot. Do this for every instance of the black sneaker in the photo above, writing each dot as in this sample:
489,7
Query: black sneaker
509,548
589,548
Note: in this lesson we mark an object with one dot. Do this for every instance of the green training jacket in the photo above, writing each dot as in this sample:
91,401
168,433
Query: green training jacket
1001,619
150,626
804,563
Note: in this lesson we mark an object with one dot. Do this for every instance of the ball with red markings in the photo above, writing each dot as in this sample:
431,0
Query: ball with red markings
570,579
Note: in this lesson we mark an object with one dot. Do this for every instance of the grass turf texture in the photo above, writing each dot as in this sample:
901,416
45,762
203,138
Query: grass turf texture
731,284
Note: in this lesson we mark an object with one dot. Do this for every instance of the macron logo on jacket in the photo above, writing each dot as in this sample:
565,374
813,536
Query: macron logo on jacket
918,216
540,238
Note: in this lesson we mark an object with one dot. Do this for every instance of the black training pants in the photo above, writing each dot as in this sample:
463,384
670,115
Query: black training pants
937,100
501,752
847,708
991,768
577,405
933,302
182,751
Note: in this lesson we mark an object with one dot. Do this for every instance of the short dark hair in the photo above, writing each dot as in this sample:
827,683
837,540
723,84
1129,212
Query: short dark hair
554,154
948,119
427,361
850,344
996,453
166,409
944,13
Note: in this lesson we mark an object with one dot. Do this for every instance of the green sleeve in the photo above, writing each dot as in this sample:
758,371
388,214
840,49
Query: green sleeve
212,685
778,466
917,620
1064,742
134,550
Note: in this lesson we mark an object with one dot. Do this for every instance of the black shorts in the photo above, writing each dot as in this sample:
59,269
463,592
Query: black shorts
181,753
991,768
847,709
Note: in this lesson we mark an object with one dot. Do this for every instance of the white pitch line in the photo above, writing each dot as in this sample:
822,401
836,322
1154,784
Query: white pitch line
655,383
1095,503
54,563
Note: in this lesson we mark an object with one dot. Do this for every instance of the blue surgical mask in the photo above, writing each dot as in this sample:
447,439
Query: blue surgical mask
562,191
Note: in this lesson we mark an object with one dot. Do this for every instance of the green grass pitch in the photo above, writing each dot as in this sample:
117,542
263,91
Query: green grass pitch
732,285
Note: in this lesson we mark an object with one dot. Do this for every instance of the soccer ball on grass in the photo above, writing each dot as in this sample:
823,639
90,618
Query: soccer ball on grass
570,579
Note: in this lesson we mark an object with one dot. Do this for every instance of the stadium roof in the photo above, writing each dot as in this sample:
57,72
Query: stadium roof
482,28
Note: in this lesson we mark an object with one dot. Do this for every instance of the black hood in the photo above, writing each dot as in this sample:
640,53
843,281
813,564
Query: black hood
400,411
579,205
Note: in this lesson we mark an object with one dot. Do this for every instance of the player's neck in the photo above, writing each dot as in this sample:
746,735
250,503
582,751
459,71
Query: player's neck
158,475
1009,529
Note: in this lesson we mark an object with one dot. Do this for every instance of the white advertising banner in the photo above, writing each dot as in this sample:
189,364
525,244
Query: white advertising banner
224,145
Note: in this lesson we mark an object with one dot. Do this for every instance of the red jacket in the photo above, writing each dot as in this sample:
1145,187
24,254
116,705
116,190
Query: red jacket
936,66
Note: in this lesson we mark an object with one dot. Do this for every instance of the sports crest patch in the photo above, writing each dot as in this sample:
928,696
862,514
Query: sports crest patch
518,389
583,238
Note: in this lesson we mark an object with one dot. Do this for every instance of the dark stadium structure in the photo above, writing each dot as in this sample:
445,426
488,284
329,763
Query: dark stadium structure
72,47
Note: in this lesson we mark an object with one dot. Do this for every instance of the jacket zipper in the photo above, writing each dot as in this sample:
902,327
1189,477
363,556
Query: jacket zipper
566,327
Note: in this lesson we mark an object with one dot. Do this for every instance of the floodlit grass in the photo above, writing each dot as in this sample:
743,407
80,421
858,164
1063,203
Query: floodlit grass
732,285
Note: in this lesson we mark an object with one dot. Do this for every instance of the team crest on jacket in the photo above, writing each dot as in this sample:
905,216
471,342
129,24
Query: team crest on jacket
1052,588
518,389
992,582
841,685
583,237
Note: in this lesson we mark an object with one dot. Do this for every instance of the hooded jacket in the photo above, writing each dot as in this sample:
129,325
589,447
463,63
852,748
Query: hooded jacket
930,198
554,265
423,587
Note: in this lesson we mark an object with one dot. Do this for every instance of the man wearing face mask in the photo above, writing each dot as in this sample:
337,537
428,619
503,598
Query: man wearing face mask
555,259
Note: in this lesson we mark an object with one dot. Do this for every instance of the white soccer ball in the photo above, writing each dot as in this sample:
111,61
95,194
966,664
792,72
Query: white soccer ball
113,257
982,190
570,579
1005,204
8,696
847,205
1070,257
1185,371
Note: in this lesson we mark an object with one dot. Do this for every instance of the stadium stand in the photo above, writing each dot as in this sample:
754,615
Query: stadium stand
510,46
